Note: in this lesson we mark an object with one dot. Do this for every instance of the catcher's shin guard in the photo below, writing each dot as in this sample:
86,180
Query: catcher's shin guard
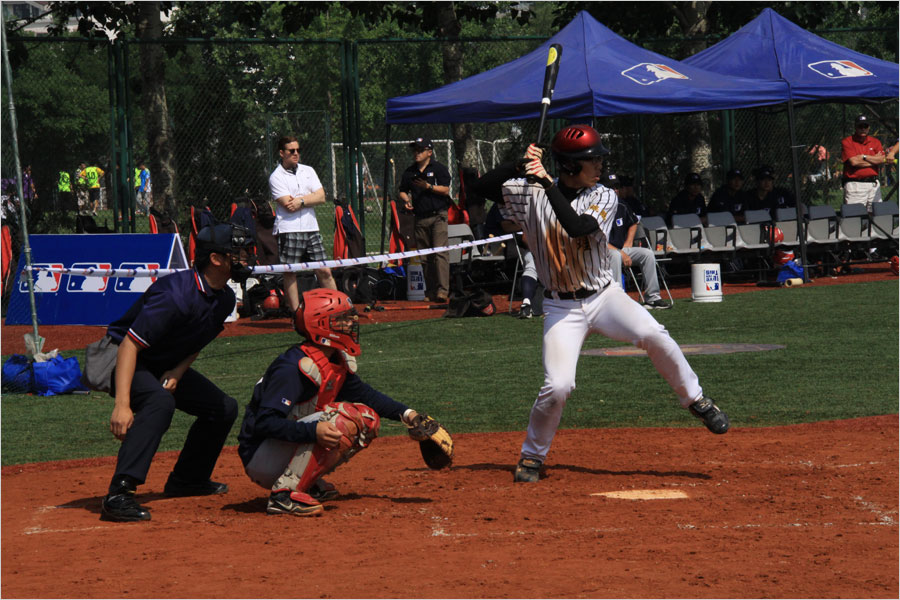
359,425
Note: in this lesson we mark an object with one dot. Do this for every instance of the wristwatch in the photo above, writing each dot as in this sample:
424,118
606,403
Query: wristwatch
864,157
430,187
302,202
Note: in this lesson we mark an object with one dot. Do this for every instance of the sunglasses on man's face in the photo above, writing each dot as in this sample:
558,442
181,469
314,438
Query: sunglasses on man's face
862,126
292,150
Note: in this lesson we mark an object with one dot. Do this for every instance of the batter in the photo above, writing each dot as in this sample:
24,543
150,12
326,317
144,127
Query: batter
566,223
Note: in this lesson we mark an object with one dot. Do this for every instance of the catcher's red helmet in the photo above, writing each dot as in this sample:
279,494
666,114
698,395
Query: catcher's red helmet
327,318
782,257
895,265
574,143
777,235
272,301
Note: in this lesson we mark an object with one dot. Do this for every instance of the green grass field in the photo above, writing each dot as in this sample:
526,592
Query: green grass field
840,361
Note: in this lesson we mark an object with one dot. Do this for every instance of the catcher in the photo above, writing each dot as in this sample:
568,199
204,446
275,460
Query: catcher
310,412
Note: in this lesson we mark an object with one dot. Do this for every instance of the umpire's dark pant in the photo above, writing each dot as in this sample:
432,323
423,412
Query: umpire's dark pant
153,408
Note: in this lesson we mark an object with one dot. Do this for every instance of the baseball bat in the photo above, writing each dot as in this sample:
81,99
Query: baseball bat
550,74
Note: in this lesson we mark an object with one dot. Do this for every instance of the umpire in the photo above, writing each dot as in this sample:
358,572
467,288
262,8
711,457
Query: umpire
158,339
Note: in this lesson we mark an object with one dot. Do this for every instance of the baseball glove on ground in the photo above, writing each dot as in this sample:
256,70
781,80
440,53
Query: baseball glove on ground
435,442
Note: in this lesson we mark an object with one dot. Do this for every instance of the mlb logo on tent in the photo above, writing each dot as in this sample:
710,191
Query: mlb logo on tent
839,69
650,73
45,282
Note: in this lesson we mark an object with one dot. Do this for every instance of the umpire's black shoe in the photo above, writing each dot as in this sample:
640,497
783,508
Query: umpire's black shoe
123,508
711,415
528,470
178,488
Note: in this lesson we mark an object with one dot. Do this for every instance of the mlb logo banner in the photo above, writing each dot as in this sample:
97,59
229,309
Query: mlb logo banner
713,283
44,282
650,73
839,69
82,298
135,285
80,283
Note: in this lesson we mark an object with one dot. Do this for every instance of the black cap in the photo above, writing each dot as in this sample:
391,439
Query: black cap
422,142
692,178
862,119
734,173
612,181
764,172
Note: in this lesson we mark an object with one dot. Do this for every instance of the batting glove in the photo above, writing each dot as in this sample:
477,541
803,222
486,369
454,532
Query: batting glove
534,151
536,170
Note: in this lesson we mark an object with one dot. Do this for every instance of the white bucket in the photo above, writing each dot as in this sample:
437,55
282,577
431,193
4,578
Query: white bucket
415,280
706,283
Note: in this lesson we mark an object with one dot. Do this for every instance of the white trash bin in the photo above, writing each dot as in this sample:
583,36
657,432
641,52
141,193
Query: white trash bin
415,280
706,283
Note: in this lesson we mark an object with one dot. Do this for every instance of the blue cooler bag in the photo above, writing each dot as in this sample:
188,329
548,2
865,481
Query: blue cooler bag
18,376
57,376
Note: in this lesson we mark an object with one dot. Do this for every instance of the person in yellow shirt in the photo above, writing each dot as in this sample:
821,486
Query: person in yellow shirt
93,175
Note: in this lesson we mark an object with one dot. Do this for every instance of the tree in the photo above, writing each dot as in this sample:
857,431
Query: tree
105,20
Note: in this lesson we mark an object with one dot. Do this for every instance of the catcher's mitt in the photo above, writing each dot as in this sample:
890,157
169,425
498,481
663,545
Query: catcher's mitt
435,442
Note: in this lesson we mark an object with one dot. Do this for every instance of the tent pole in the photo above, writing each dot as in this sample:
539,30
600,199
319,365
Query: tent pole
386,187
801,228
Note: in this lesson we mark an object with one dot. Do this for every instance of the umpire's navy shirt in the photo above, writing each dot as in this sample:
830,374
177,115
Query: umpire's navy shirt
425,202
284,385
176,317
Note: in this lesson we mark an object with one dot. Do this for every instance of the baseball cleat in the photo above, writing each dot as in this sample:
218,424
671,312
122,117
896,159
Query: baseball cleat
322,490
525,311
179,488
528,470
658,304
123,508
293,503
711,415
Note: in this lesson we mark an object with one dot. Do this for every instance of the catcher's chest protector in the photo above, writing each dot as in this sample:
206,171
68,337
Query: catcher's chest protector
328,376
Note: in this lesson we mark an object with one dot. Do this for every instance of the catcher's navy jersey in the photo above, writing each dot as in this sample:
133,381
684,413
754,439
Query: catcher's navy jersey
282,387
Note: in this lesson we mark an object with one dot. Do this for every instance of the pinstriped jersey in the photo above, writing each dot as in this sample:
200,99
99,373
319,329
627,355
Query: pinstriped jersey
564,264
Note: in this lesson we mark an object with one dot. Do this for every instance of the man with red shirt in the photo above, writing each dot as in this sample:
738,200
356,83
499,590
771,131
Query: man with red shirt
863,157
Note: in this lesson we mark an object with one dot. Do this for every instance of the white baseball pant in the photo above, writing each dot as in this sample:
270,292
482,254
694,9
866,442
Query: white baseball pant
613,314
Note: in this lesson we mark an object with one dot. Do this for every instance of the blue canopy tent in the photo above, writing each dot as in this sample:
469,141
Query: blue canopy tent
601,74
771,48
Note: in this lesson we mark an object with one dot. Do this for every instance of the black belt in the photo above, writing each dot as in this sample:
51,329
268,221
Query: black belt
865,180
433,213
579,294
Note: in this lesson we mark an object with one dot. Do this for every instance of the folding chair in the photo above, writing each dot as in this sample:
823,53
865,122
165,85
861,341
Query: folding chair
645,241
822,226
657,235
786,220
686,236
722,232
855,225
885,221
756,230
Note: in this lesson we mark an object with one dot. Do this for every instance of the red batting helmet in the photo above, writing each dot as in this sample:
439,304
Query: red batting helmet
895,265
327,318
272,301
782,257
777,235
574,143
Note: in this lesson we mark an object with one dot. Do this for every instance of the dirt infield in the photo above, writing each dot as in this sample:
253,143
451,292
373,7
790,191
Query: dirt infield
762,513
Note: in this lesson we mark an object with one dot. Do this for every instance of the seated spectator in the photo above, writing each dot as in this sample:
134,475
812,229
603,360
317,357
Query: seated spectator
768,196
689,200
630,199
622,251
731,197
497,223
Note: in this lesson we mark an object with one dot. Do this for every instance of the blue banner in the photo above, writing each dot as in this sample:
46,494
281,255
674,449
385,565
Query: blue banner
67,299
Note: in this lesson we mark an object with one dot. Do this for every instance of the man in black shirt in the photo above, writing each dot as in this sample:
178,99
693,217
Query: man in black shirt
689,200
731,197
425,189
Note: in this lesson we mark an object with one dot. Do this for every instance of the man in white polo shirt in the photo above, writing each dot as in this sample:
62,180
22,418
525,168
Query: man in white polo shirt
296,190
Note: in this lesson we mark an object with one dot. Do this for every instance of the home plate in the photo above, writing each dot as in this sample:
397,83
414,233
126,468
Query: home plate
644,494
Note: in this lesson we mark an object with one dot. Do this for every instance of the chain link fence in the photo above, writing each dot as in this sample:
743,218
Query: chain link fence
229,101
